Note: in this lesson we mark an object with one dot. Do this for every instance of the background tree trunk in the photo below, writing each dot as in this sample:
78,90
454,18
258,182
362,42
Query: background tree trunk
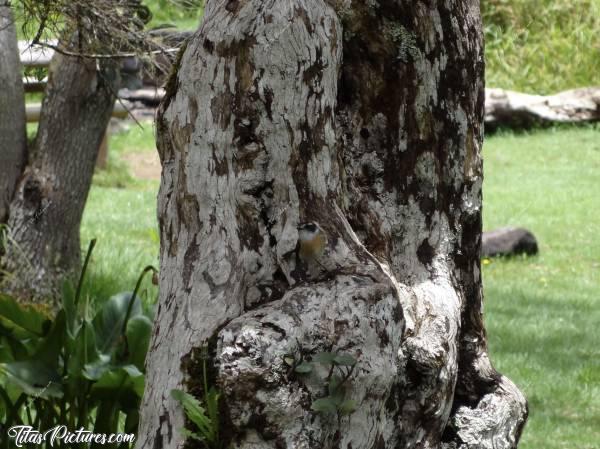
365,117
46,211
13,143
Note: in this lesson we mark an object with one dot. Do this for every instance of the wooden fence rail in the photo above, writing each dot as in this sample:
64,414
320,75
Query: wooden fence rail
502,107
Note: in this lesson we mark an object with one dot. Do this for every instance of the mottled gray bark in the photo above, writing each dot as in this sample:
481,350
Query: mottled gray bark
365,117
13,143
46,211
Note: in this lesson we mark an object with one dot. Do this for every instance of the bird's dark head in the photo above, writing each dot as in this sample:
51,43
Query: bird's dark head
309,227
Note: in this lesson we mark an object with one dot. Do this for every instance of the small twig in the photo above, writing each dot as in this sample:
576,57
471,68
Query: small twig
347,375
330,372
120,100
66,52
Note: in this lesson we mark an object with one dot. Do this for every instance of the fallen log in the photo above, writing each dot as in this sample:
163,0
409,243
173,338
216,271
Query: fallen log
515,109
502,107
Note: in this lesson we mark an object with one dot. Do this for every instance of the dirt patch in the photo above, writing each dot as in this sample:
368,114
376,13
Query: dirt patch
143,165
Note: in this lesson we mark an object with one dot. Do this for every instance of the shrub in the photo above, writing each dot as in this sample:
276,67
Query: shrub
83,368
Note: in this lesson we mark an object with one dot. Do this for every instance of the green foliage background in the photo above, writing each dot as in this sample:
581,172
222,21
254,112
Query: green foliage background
534,46
542,46
185,14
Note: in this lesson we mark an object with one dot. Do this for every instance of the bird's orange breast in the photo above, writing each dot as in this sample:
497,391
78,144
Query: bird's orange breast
311,249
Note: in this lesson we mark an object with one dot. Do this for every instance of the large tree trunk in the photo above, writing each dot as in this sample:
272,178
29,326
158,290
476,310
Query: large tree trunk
13,143
365,117
46,211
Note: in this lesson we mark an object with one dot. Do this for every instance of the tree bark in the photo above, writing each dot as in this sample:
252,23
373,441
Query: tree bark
365,117
13,142
46,211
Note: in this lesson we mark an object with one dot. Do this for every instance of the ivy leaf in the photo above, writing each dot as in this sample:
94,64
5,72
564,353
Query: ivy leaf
324,405
344,360
304,368
325,358
347,407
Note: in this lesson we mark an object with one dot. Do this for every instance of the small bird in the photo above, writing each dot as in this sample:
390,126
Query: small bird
312,241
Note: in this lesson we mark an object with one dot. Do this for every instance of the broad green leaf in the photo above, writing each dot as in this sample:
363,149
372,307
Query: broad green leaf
13,347
51,346
121,378
6,354
344,360
34,378
139,330
28,318
121,388
324,357
324,405
304,368
83,351
347,407
137,378
108,322
95,370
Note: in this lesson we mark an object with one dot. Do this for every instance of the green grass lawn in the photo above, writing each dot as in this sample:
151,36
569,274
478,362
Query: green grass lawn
542,313
132,138
122,219
541,46
124,223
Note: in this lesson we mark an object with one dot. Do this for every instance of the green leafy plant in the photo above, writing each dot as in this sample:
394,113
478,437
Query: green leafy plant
340,369
205,418
83,368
